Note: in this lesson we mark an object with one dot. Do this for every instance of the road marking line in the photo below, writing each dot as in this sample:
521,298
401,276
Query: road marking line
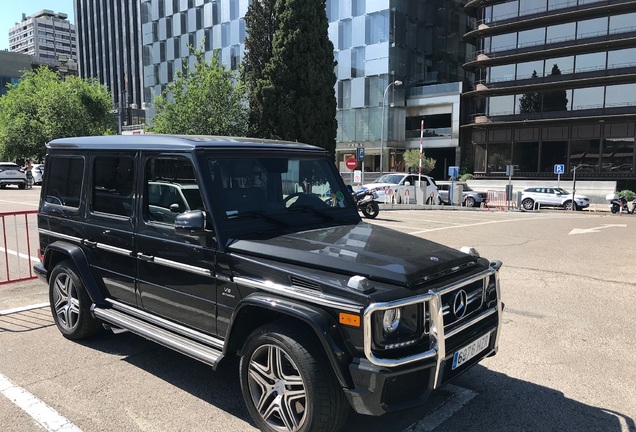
19,202
22,309
460,397
19,254
46,416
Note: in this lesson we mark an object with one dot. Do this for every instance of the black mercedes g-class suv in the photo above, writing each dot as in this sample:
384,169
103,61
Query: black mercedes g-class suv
217,246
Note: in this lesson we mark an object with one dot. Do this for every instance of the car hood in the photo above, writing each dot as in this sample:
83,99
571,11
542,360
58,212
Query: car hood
379,185
364,249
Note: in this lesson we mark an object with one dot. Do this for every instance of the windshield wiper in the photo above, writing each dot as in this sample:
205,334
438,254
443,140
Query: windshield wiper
312,209
259,215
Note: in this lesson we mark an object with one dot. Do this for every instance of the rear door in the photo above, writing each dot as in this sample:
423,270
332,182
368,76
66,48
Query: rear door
175,272
109,224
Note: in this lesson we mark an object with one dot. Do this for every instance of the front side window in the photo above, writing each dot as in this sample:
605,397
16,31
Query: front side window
171,188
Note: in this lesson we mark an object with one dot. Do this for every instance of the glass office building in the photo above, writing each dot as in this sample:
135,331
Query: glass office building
377,42
555,84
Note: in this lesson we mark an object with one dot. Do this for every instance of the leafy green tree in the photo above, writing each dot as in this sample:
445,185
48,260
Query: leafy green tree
43,106
261,23
412,161
296,94
205,100
530,102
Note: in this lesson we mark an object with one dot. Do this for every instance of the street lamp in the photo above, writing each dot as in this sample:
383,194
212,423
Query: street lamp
395,83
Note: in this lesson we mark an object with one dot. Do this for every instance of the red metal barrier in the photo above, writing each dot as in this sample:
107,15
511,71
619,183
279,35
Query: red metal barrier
497,199
19,243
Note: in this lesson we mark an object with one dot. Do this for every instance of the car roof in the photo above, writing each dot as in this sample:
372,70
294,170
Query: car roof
172,142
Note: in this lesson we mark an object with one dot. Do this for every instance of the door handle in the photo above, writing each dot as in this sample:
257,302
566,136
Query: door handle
145,257
89,243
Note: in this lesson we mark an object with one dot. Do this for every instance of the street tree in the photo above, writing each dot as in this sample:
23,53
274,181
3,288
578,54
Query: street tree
261,23
44,106
412,161
296,93
207,99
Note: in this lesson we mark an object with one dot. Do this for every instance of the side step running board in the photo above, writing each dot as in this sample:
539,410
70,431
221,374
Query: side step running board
194,349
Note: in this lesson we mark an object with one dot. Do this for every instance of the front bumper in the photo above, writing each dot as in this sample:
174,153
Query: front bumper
382,385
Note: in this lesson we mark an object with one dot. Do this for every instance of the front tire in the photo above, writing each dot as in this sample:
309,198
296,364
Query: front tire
567,205
287,382
470,202
527,204
370,210
70,304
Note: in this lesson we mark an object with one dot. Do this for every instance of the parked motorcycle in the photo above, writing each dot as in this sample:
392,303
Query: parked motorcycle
365,200
619,203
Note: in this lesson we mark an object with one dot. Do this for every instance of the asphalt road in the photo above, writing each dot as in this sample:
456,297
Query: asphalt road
567,359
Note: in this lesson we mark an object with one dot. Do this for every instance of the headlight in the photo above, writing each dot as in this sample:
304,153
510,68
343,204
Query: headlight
391,320
398,327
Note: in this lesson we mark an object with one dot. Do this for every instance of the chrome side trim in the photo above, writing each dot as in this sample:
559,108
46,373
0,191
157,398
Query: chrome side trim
310,296
113,249
182,266
169,325
60,235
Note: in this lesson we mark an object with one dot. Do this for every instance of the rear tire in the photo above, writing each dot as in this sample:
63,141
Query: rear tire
70,304
370,210
287,381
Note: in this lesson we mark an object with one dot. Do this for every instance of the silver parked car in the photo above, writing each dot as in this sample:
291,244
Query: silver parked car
470,197
10,174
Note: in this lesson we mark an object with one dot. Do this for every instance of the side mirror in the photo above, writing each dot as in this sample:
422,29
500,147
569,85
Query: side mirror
174,208
407,183
190,222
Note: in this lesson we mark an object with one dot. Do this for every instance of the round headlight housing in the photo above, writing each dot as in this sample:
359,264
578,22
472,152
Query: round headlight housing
391,320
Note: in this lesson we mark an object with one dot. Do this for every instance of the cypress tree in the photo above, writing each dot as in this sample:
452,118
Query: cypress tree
260,23
297,89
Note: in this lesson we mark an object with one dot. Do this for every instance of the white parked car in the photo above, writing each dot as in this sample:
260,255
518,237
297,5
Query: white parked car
401,184
10,174
38,173
551,197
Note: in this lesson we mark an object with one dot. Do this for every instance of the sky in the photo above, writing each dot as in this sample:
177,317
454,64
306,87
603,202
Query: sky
11,12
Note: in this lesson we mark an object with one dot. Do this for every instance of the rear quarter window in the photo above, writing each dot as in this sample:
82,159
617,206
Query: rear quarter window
64,185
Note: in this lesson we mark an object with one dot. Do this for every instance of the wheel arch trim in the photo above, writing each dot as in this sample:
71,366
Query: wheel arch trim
316,319
77,256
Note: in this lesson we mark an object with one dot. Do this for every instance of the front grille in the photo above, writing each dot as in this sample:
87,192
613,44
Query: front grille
462,302
405,387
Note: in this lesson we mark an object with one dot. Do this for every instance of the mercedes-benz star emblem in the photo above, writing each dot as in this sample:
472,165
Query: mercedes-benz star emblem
460,303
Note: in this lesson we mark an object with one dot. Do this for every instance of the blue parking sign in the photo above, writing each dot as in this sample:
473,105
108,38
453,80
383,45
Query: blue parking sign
453,171
559,168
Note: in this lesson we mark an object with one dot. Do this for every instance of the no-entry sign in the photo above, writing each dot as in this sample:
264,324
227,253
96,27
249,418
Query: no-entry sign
351,163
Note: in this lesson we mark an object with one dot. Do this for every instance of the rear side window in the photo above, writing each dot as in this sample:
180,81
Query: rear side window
64,184
113,180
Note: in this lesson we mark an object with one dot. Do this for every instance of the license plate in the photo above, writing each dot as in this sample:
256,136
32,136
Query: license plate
470,351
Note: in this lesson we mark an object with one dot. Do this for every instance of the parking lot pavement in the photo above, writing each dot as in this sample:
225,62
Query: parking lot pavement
22,294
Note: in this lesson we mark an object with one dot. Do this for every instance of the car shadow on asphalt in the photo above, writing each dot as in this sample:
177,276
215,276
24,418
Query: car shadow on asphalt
500,404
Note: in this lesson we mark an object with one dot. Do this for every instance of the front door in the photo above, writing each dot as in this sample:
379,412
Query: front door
175,272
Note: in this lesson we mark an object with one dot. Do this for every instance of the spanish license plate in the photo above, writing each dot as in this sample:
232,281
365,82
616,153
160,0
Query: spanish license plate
470,351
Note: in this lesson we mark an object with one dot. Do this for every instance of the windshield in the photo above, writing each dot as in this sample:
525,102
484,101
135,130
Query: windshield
561,191
389,178
276,191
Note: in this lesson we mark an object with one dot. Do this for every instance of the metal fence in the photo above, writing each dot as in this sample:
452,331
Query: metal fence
19,248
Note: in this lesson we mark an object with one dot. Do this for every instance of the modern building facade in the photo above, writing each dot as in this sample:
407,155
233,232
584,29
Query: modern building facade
45,34
110,50
555,84
376,43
